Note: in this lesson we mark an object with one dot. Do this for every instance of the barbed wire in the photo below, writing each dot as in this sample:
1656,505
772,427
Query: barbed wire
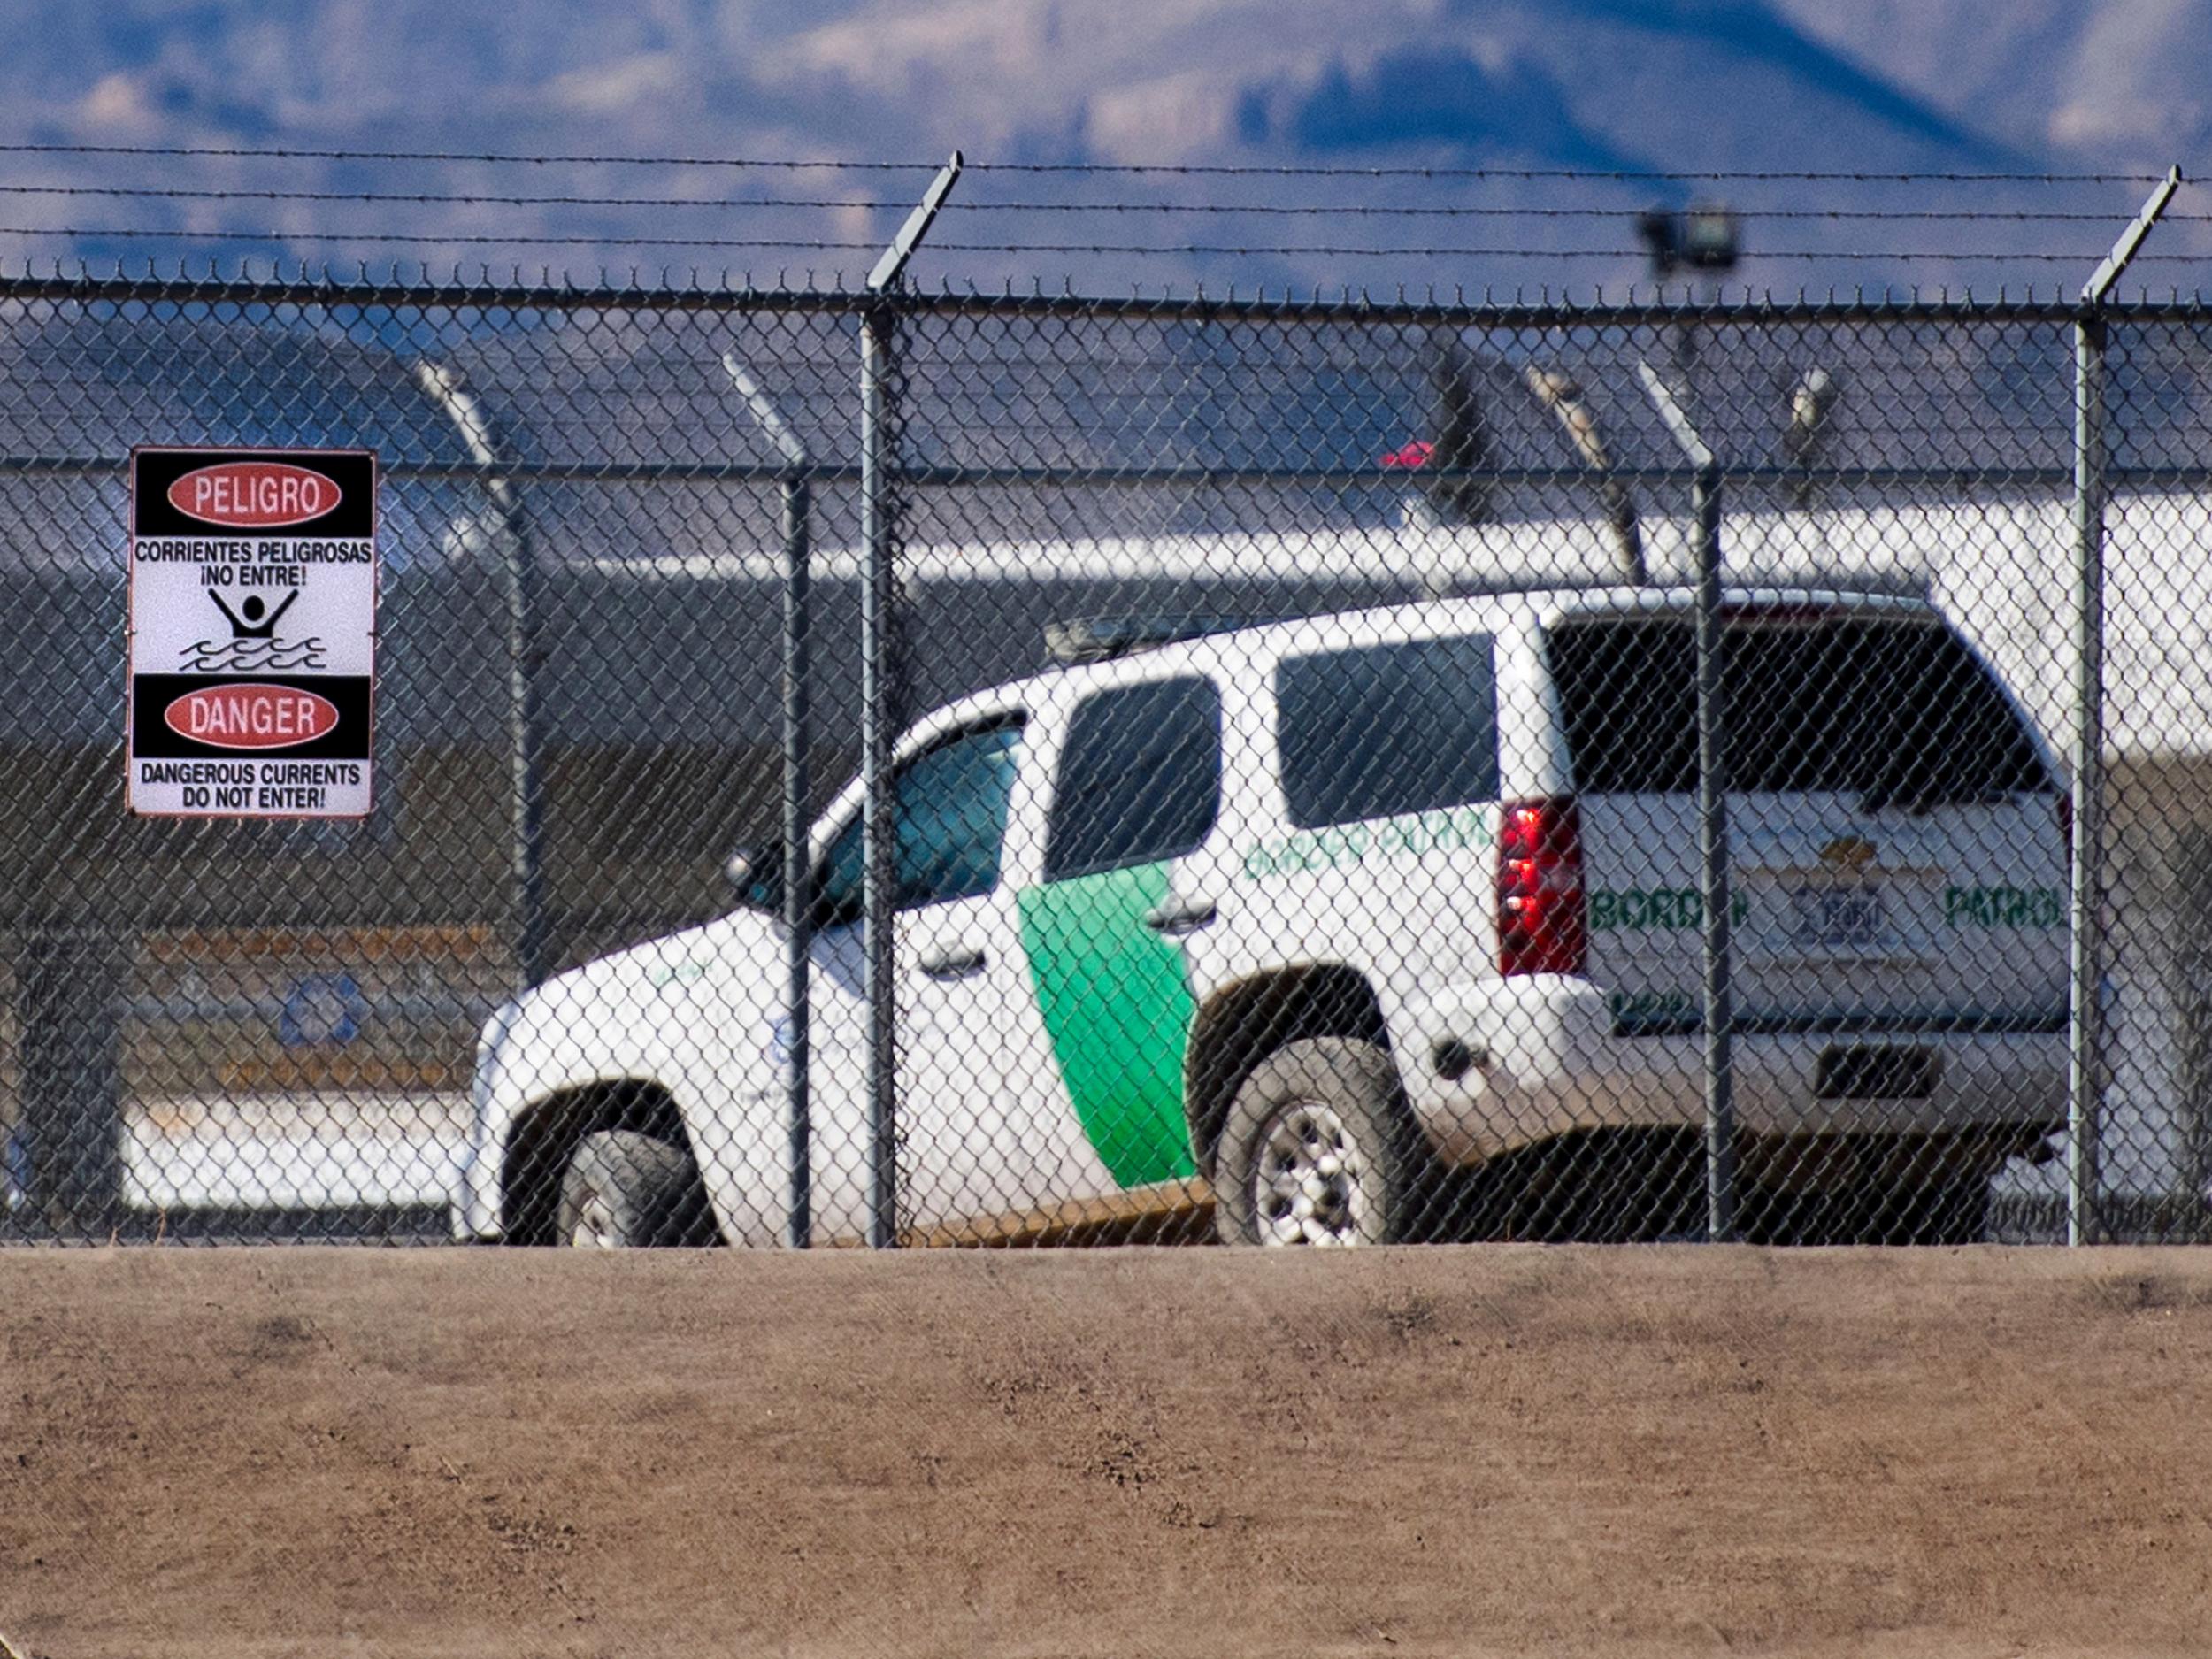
1331,249
1214,169
246,152
1255,230
566,285
1358,209
1336,249
432,239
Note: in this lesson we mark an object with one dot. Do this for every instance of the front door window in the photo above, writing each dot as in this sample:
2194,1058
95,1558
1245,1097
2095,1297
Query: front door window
952,807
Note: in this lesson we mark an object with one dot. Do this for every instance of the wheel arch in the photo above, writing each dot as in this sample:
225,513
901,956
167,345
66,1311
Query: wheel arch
1243,1022
548,1132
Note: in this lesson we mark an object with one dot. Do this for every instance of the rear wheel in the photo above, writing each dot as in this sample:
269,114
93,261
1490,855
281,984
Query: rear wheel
1954,1209
1318,1150
1951,1207
627,1191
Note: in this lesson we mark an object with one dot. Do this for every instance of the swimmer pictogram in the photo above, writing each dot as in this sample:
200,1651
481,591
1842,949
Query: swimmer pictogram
253,646
254,625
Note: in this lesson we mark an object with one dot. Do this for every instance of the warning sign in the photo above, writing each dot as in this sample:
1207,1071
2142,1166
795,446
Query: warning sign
253,631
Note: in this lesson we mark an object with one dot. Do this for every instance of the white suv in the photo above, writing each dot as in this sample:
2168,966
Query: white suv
1378,926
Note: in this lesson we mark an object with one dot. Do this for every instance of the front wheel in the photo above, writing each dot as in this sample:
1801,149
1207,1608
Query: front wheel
1953,1209
627,1191
1318,1150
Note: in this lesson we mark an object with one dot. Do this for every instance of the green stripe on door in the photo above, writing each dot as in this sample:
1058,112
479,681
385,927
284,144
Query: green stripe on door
1119,1012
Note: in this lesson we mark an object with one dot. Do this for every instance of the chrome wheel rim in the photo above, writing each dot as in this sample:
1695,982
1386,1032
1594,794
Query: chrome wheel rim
1306,1185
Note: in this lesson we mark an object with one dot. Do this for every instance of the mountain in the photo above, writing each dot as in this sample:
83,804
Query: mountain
1596,85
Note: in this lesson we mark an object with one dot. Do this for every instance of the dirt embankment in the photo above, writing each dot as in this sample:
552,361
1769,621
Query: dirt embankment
1476,1451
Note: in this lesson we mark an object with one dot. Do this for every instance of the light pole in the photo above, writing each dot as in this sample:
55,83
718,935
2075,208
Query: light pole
1704,238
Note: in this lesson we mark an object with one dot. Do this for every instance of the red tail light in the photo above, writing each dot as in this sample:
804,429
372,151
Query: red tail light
1542,921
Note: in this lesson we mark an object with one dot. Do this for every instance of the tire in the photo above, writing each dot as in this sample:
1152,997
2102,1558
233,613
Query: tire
1943,1209
1318,1150
1952,1211
626,1191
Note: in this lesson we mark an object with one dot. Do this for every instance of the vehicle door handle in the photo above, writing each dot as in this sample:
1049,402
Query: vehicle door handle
952,962
1176,917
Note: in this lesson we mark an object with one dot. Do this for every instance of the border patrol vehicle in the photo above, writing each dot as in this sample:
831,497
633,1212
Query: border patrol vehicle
1371,925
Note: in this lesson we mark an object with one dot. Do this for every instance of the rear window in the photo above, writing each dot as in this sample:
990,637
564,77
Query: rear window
1890,710
1387,729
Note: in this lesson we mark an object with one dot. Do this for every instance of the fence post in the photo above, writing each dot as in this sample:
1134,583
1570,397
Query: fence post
878,683
1712,843
526,725
72,978
2084,1046
798,887
1712,811
798,737
2085,1021
878,811
2192,978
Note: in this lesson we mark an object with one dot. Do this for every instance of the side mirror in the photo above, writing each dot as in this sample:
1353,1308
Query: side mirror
756,873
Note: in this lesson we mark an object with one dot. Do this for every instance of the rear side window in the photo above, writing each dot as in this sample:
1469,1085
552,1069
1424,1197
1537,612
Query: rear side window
1140,778
1386,729
1894,711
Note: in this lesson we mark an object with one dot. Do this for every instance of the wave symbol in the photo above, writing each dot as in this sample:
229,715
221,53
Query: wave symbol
253,657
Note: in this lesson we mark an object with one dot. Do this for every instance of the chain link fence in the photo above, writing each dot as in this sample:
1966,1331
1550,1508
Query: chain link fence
1320,773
